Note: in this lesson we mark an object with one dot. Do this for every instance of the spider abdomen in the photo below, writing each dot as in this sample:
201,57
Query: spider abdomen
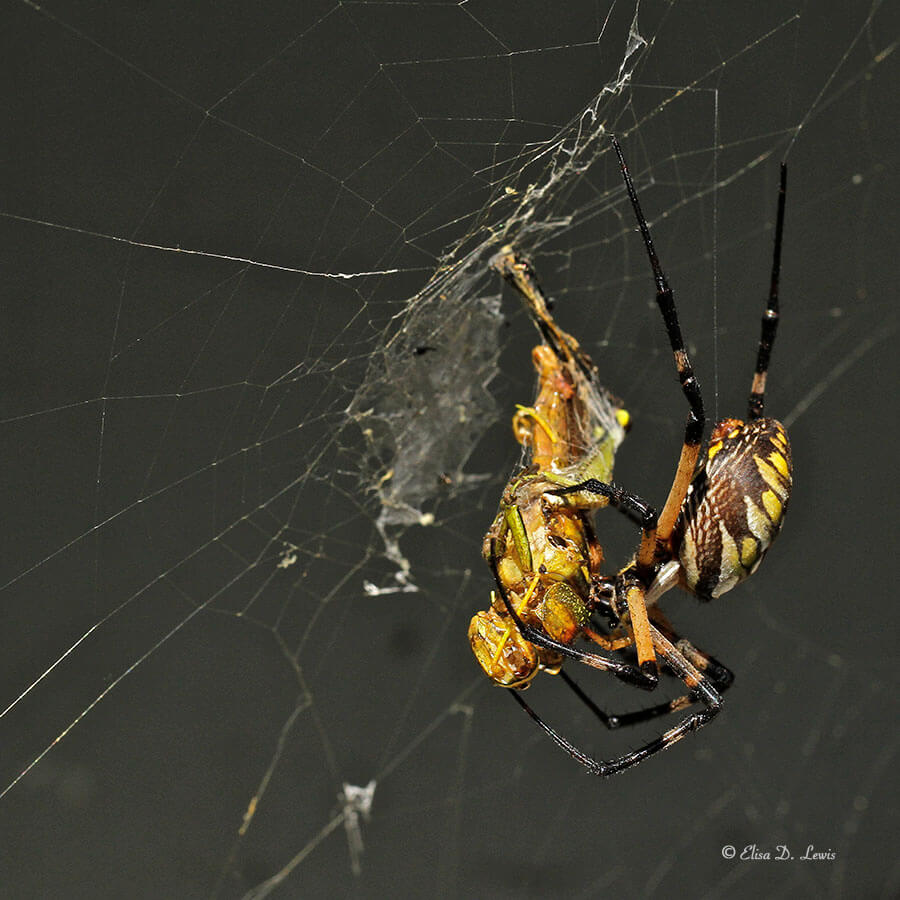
735,506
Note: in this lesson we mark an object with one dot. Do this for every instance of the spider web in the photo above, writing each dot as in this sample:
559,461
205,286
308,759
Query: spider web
259,379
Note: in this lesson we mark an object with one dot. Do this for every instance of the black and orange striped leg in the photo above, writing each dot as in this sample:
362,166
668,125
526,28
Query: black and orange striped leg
630,585
756,402
721,676
623,671
700,689
629,504
630,594
624,720
693,429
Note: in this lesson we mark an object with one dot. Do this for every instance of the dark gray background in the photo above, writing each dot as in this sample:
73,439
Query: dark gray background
173,422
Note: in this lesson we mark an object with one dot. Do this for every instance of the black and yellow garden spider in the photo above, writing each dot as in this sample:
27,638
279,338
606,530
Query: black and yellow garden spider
722,513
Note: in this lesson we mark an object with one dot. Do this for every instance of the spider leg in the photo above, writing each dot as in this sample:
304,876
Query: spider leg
623,671
605,641
770,316
622,720
693,430
631,587
625,502
721,676
701,689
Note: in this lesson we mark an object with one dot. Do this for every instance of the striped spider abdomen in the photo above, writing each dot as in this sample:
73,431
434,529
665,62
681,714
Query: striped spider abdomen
735,505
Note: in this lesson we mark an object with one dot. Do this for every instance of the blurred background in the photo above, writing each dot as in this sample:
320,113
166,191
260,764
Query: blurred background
258,387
